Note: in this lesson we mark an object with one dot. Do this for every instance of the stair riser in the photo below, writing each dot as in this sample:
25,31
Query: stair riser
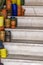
30,22
33,2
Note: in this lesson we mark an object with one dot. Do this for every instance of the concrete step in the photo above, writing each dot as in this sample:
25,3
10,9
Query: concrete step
30,22
21,62
24,49
26,34
33,10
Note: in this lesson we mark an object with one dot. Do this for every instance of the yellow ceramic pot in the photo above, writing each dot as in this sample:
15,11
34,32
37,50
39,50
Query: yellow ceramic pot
3,53
14,1
18,2
1,21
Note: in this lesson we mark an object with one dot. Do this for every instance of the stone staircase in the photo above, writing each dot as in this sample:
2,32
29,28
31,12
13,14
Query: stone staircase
26,46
